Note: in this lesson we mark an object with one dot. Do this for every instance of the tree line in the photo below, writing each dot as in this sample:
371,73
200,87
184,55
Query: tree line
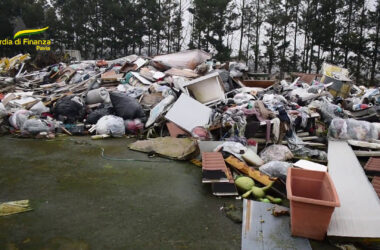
272,35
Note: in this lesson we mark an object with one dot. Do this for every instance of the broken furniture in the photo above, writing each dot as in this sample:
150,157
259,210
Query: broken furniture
207,89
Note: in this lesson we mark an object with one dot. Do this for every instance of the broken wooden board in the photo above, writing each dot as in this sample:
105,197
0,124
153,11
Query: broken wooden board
251,172
263,231
364,153
359,213
364,144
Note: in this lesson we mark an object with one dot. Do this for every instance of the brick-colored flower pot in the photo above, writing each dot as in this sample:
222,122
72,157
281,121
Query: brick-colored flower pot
313,199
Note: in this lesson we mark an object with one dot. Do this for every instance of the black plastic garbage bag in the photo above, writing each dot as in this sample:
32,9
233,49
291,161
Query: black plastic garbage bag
95,115
127,107
69,109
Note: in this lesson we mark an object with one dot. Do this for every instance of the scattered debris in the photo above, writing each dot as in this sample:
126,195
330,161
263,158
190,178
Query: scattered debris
14,207
181,104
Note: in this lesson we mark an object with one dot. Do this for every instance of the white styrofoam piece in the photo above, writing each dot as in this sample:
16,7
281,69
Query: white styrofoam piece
309,165
188,113
359,212
141,79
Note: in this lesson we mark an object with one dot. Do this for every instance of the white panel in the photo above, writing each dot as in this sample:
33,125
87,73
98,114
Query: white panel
188,113
359,213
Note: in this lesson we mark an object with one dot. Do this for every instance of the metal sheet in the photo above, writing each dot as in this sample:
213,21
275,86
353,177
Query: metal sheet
359,213
263,231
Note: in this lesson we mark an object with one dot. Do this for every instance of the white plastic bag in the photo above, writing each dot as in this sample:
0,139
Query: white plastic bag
276,153
110,125
275,168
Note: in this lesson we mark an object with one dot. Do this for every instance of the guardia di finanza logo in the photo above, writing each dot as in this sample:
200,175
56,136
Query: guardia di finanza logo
20,39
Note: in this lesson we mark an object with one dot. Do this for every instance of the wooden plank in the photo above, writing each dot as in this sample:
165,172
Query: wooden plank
263,231
251,172
366,153
364,144
306,143
359,213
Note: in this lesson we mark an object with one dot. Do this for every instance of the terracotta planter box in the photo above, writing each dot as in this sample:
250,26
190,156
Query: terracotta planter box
313,199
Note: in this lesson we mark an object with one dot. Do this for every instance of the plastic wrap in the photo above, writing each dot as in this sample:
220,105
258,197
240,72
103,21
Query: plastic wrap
110,125
235,148
346,129
298,148
330,111
276,153
35,126
242,98
39,108
19,117
275,168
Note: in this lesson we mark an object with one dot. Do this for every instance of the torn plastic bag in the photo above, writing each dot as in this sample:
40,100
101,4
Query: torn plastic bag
301,94
272,101
99,95
36,126
3,111
133,126
276,153
276,168
134,92
227,82
39,108
19,117
235,148
328,110
69,109
95,115
110,125
127,107
200,133
252,158
346,129
298,148
242,98
237,69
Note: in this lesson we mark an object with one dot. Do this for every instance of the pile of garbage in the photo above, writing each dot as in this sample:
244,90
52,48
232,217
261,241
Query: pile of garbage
186,103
